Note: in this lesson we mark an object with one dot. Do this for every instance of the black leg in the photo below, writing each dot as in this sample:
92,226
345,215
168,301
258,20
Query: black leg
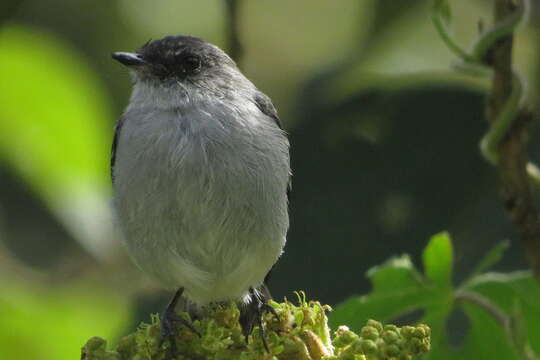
169,318
252,313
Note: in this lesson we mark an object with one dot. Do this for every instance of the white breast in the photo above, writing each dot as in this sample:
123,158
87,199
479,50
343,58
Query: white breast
200,193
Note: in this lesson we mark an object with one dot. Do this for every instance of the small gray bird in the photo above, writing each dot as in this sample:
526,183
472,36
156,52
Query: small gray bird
200,168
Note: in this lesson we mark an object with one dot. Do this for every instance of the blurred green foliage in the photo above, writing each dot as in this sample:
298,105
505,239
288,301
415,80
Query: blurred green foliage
48,322
54,128
55,117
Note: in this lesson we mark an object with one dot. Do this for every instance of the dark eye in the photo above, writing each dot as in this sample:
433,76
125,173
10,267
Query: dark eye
192,64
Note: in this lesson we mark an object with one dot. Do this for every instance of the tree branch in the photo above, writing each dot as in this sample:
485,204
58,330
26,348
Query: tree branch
517,194
233,38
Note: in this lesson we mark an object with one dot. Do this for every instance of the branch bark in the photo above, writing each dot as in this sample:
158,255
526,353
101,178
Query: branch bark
233,37
517,191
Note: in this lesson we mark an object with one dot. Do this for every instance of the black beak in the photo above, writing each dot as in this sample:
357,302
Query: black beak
128,59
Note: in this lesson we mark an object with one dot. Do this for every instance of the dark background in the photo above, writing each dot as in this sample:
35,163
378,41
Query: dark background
384,147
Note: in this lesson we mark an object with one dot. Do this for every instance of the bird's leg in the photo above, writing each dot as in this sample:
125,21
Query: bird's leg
169,318
252,313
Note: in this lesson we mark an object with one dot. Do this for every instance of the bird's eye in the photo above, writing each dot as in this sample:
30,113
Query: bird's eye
192,64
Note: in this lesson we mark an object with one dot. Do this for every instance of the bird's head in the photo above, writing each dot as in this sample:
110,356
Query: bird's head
184,65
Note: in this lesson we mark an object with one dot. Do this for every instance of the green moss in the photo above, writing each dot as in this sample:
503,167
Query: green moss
301,333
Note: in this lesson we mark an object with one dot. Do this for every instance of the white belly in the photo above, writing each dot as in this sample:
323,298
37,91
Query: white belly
202,204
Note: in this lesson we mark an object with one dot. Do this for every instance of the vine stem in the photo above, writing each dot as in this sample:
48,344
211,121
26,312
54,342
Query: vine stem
502,28
492,309
444,33
499,128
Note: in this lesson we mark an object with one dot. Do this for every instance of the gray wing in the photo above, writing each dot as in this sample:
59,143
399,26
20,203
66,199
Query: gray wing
264,104
117,129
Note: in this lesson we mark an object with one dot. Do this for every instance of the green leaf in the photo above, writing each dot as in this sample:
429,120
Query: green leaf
504,290
492,257
486,339
519,333
396,272
438,257
511,296
398,288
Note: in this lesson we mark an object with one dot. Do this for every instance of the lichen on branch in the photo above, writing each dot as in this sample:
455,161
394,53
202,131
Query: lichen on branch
302,333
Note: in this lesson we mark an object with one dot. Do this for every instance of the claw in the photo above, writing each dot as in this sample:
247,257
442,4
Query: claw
266,307
252,313
169,319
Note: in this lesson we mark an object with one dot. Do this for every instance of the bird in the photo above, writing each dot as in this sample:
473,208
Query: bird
201,177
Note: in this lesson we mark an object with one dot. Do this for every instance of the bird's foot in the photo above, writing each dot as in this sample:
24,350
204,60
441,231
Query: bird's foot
169,319
251,314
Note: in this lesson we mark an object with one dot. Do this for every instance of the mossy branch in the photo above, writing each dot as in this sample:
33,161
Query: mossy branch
302,333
